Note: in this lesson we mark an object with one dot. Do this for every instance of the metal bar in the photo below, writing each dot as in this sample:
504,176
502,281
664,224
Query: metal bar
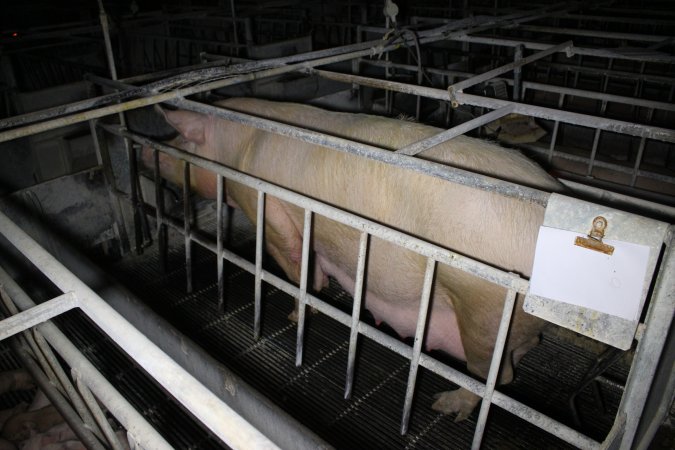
259,236
304,275
356,312
204,405
41,313
556,126
593,33
584,51
106,39
95,410
615,19
219,243
594,150
103,159
638,160
133,192
657,323
419,340
444,136
187,223
159,211
495,364
460,86
518,92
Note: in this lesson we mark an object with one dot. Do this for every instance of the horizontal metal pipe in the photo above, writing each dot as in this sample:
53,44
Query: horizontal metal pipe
593,33
203,404
615,19
585,51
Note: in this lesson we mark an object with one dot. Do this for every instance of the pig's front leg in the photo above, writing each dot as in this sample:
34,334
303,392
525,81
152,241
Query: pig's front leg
283,239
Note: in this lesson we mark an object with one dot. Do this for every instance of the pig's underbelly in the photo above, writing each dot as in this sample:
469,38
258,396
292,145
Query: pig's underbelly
442,331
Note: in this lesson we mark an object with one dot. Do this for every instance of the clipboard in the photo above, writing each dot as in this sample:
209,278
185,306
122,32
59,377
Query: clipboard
592,269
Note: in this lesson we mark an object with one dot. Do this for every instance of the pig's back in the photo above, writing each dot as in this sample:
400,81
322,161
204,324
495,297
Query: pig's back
492,228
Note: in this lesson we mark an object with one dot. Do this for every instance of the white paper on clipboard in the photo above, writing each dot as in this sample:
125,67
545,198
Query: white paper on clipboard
612,284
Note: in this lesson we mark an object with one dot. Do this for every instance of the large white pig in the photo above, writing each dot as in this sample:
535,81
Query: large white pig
489,227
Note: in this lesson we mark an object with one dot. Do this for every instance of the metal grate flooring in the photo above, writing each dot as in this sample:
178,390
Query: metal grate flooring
313,393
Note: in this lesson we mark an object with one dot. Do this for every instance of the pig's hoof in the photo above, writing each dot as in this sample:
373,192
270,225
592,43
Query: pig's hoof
293,316
461,402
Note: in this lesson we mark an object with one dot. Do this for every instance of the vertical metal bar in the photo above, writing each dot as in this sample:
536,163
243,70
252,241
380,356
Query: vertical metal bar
577,72
260,217
187,226
518,74
106,39
594,151
219,242
419,338
159,214
606,75
103,158
133,186
234,28
556,126
95,409
638,160
304,275
356,312
491,382
647,355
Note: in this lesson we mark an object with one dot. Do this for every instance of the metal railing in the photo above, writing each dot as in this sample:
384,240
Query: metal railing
216,415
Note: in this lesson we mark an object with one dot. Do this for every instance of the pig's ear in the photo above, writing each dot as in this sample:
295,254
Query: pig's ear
190,124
